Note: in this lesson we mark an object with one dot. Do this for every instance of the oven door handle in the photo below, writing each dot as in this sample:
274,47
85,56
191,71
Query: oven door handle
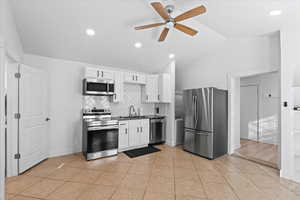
96,128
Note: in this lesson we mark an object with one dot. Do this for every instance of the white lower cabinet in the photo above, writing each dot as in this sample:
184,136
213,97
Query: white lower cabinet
123,135
144,132
133,134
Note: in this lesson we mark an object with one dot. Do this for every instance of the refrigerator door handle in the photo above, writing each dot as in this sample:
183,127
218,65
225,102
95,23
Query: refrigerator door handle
193,109
196,111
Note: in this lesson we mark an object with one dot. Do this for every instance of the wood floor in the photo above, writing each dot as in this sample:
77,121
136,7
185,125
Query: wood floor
259,152
167,175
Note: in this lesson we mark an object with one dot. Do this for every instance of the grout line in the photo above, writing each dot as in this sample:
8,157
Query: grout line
61,165
173,163
201,181
231,187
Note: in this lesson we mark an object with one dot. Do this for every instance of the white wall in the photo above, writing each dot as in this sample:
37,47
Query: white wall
8,30
234,55
268,84
66,101
9,45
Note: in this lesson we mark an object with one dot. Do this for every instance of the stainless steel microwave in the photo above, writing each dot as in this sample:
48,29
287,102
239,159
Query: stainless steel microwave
98,87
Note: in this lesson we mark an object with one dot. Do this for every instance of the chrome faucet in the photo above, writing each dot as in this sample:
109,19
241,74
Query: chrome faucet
132,111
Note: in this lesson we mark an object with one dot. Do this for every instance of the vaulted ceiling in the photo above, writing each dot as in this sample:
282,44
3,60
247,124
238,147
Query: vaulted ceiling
56,28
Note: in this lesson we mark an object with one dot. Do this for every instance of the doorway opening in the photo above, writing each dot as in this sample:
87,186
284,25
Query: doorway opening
260,118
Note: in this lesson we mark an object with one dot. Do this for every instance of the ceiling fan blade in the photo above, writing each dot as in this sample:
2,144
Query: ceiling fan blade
191,13
185,29
160,10
163,35
149,26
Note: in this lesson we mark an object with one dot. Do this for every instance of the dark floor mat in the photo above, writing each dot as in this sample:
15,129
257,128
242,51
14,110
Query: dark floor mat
142,151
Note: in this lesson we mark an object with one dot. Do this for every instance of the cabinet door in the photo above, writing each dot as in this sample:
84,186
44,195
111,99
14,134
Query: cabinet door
91,72
106,74
130,77
119,87
123,135
144,131
151,89
134,135
140,78
164,88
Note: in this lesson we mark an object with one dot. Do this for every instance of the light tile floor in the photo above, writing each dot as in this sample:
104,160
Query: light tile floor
259,152
169,174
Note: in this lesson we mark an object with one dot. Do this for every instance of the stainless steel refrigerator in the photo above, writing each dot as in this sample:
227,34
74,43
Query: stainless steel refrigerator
206,122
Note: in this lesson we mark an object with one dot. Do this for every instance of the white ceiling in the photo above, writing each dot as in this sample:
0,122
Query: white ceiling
56,28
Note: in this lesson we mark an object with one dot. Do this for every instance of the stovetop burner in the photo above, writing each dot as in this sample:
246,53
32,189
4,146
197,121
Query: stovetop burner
98,117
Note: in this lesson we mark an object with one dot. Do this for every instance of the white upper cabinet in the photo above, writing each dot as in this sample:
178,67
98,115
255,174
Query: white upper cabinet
157,89
164,88
150,91
135,78
119,87
106,74
98,73
91,72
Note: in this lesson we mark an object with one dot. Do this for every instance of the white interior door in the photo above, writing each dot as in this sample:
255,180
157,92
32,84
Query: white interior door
33,146
249,112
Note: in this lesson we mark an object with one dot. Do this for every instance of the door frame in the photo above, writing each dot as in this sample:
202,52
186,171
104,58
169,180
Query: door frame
233,83
11,135
4,52
2,125
257,106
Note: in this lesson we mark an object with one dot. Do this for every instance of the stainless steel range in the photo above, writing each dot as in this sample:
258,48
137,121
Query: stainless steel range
100,134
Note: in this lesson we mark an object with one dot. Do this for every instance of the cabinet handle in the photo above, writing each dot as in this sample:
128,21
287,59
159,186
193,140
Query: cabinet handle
133,77
98,74
137,129
102,74
136,78
141,129
158,97
126,131
147,97
115,96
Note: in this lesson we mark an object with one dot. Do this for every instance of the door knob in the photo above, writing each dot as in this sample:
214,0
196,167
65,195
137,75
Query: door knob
47,119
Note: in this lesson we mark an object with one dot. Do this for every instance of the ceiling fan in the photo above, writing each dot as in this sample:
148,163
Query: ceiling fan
170,22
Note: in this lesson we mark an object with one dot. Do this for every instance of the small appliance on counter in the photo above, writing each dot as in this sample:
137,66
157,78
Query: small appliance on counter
157,129
99,134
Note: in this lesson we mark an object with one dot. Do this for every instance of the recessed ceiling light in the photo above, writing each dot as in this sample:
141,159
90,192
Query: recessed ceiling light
275,12
171,55
90,32
138,45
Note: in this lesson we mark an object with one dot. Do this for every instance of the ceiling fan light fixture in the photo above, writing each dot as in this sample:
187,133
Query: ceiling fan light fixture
170,25
169,22
275,12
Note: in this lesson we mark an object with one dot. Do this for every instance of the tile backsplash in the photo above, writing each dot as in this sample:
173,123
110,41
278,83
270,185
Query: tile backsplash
132,96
